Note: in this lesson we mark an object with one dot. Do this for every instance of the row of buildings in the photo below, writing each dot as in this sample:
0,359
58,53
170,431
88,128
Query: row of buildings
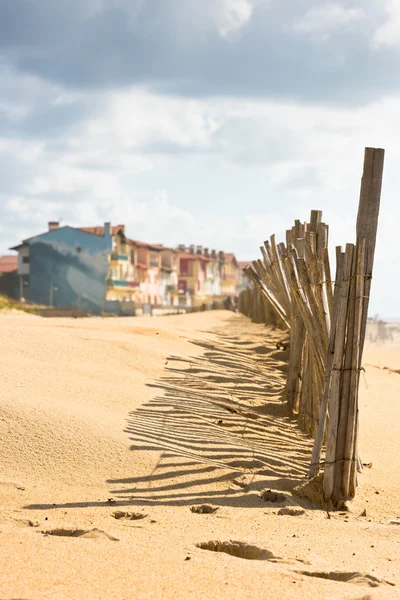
100,269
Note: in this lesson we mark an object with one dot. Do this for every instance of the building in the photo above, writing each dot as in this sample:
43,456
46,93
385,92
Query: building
8,264
169,277
100,269
213,276
230,275
121,281
9,280
67,267
244,280
147,261
192,276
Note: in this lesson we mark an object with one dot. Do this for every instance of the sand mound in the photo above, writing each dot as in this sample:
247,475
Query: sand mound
112,429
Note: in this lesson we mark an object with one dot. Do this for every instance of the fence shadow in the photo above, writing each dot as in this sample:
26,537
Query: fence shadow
222,425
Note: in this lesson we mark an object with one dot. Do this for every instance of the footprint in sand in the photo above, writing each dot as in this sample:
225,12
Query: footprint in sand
204,509
242,481
27,523
271,496
128,516
80,533
239,550
293,512
354,577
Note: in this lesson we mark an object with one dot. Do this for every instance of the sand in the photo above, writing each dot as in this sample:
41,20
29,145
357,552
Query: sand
144,418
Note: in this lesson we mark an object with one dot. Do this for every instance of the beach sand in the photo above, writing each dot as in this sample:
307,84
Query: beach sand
144,418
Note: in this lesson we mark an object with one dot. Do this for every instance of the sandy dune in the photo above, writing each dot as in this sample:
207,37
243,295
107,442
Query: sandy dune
112,429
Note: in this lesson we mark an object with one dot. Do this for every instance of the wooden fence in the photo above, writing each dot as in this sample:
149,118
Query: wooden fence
326,320
254,304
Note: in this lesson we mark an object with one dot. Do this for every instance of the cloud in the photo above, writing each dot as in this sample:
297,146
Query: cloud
323,20
233,15
388,34
215,122
247,48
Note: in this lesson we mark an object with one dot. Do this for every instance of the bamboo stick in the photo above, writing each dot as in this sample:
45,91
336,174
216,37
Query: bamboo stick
345,385
253,275
319,438
337,367
349,448
367,218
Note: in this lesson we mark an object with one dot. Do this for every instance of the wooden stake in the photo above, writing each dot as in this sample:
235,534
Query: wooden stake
319,438
337,367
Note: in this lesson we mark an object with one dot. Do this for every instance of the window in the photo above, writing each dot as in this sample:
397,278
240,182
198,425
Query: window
25,260
184,266
142,255
182,285
153,260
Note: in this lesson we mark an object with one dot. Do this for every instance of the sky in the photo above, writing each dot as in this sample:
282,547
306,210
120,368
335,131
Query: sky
212,122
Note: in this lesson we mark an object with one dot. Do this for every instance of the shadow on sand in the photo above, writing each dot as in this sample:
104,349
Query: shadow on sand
222,424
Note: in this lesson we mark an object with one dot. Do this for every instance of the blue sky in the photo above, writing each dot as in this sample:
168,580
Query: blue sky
214,122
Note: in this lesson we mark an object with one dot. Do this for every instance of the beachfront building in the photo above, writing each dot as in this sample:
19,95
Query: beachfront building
66,267
213,276
121,282
9,281
244,280
230,275
100,269
192,276
147,261
169,277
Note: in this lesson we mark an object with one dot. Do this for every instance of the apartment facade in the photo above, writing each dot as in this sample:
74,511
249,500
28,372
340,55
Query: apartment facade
230,275
192,276
100,269
66,267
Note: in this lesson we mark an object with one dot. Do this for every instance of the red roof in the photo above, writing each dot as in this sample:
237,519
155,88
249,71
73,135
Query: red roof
100,230
243,263
190,256
157,247
8,264
229,256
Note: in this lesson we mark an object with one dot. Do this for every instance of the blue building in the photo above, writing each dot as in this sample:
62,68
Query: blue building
67,267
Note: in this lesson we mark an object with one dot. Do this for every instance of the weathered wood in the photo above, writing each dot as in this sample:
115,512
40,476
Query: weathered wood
355,332
326,327
367,219
319,438
253,275
281,280
337,367
315,220
294,377
327,279
345,384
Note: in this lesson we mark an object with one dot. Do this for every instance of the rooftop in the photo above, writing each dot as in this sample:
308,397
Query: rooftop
8,264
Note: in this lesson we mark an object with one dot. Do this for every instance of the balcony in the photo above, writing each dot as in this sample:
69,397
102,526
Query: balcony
117,283
117,256
229,277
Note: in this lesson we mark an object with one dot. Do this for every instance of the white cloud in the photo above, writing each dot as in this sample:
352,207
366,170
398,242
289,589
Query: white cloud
224,16
323,20
388,34
224,173
233,15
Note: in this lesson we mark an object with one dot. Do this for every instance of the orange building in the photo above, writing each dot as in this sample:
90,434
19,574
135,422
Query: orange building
192,276
230,275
